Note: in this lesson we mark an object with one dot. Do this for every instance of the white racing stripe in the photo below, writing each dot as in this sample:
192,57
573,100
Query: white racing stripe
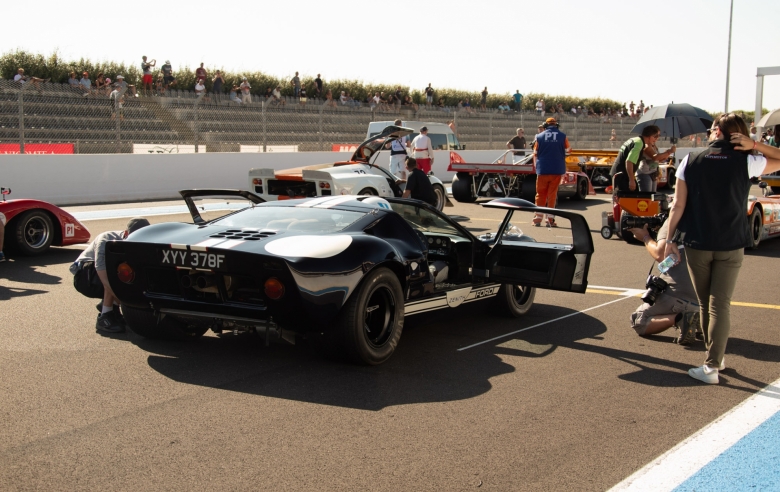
682,461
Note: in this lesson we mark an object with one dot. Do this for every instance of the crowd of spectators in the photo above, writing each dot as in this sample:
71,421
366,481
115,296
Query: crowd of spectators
157,82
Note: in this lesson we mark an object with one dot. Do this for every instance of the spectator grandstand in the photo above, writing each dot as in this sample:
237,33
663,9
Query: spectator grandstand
58,113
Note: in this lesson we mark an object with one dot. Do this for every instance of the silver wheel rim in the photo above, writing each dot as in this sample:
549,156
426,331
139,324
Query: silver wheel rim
36,232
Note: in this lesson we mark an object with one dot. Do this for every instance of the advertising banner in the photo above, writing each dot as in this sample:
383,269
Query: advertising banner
166,148
344,147
37,148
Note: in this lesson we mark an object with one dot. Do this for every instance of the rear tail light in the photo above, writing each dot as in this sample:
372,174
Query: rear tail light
324,185
125,273
274,289
257,181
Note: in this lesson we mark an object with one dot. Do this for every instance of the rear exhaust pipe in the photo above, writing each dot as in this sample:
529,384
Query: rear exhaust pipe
203,281
186,281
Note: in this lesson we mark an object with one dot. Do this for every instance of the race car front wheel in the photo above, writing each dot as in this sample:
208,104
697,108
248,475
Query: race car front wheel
369,325
33,231
515,300
144,322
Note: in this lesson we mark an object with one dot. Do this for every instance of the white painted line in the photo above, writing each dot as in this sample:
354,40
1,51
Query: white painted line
681,462
542,324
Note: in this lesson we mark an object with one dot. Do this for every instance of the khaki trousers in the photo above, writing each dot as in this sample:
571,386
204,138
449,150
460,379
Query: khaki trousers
714,276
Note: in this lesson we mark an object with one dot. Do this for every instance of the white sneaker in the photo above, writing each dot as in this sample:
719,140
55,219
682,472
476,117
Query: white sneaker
704,374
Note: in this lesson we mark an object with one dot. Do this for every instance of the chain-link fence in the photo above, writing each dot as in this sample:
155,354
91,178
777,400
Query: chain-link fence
44,117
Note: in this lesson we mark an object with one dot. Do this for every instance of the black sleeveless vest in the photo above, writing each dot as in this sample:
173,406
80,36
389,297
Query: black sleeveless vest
715,216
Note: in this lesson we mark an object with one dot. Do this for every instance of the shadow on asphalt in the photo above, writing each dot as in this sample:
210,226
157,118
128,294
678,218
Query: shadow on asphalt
24,269
427,367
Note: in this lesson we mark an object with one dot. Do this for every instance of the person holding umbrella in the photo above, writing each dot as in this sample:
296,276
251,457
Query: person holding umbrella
708,218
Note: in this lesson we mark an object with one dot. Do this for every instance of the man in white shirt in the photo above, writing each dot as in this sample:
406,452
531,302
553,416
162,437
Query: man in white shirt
246,97
398,155
423,151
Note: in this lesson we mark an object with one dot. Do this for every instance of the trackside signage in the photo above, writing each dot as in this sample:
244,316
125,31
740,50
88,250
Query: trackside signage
344,147
37,148
165,148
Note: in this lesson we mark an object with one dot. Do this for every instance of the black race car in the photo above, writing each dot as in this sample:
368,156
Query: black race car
344,270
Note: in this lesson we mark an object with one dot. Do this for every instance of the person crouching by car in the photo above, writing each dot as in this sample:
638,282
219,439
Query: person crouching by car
110,319
418,186
676,305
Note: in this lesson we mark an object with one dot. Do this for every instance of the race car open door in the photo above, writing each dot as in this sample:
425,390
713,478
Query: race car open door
537,264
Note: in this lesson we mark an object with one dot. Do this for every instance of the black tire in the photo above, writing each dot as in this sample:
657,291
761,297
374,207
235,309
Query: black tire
515,300
606,232
529,188
368,328
33,232
441,197
756,222
582,190
368,192
143,322
461,190
671,179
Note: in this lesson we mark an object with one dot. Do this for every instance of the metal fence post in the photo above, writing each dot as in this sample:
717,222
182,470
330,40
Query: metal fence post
197,123
265,134
21,120
601,132
118,118
576,134
490,130
319,128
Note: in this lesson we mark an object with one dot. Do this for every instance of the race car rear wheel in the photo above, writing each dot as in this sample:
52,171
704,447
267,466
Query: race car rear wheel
144,322
756,222
33,231
369,325
441,197
515,300
368,192
461,190
582,189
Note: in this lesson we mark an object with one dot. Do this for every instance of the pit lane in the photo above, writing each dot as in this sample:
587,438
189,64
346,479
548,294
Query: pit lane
565,397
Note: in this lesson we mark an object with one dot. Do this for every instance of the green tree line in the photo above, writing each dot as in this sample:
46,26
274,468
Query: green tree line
58,70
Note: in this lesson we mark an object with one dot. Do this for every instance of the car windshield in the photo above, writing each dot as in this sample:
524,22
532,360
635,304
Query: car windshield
424,220
275,218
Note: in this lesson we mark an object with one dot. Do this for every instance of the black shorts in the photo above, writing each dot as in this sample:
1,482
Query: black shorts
620,182
168,79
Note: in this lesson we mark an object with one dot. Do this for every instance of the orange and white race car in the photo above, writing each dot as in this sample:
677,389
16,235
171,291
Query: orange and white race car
764,212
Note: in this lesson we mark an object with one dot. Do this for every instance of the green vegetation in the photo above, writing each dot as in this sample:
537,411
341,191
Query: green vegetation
57,70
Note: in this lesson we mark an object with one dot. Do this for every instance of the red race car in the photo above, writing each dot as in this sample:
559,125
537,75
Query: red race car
33,225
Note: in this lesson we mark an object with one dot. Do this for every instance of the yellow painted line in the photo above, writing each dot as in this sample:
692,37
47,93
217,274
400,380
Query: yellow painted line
599,291
753,304
734,303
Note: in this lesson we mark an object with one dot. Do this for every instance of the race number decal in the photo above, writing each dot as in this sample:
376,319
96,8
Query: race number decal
70,230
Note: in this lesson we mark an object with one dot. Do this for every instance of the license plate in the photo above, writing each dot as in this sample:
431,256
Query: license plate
192,259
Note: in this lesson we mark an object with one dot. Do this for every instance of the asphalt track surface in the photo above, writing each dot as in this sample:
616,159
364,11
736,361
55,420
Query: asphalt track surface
576,403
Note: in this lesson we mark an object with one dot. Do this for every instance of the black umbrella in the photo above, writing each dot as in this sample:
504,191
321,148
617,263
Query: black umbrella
675,120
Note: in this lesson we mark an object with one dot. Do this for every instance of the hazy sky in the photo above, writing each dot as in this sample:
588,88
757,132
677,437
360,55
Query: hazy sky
658,51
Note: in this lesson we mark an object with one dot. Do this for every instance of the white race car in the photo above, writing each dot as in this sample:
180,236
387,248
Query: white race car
358,176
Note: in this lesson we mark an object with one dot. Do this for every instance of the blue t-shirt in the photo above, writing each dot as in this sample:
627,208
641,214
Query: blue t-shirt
518,97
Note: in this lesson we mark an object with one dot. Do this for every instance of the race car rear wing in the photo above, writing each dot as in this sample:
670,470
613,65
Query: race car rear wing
190,195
